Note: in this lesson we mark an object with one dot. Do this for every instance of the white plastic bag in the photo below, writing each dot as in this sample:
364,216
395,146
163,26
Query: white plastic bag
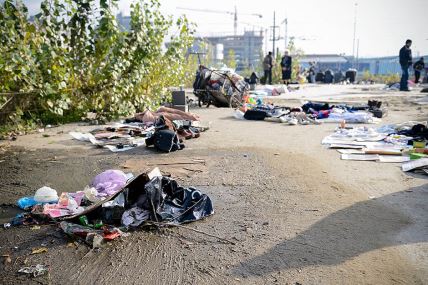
238,114
46,195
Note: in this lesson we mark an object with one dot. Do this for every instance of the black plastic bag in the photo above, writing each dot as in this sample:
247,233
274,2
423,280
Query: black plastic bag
255,115
168,202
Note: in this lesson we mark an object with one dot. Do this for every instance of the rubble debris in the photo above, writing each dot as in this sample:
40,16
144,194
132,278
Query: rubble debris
35,270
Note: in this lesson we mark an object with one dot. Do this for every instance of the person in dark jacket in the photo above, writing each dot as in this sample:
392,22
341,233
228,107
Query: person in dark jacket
405,62
418,67
311,73
286,62
267,67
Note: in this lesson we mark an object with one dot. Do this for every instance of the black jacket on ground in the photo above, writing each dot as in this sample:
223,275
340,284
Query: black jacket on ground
405,56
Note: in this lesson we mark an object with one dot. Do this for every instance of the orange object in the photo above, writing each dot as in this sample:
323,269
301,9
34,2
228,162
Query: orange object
421,150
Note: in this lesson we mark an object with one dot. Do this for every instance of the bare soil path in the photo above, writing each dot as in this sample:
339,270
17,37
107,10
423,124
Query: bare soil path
295,211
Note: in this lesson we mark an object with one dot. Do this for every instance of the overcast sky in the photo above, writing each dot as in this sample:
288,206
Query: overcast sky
320,26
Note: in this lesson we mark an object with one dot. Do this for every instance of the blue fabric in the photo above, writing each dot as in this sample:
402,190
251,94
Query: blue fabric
268,76
404,78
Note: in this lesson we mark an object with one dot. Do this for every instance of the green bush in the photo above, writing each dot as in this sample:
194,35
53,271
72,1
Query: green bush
387,79
73,58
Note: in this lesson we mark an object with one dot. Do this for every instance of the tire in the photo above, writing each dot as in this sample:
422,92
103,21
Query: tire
235,101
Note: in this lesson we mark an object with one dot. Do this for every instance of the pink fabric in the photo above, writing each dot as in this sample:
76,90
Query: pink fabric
68,204
168,113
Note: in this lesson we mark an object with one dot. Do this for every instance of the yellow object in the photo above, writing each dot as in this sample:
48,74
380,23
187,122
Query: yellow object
420,144
39,250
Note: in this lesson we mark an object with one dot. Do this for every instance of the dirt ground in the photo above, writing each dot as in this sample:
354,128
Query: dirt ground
295,212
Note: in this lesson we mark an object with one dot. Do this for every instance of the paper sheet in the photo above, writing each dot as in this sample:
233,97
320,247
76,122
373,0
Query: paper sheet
364,157
87,137
413,164
393,158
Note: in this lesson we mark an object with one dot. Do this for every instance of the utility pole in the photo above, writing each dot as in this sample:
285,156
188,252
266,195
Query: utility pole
358,49
235,23
273,38
286,32
355,30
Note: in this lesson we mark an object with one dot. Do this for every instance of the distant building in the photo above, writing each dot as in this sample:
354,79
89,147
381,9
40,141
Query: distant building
376,65
247,48
383,65
323,62
123,21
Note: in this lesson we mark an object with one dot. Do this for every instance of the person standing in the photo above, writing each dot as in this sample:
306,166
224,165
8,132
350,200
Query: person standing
418,67
405,62
286,62
312,72
267,67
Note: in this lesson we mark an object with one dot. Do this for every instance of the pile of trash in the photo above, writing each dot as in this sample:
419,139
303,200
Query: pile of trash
399,143
113,203
218,87
219,80
310,112
164,129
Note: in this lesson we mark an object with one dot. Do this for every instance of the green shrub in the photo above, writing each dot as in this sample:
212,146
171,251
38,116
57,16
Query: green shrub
73,58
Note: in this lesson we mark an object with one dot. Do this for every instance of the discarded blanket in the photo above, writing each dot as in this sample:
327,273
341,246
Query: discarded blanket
168,113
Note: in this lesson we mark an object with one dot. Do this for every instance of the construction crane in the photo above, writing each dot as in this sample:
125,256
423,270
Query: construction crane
235,15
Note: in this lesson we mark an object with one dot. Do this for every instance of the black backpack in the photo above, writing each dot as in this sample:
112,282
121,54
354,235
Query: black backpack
164,139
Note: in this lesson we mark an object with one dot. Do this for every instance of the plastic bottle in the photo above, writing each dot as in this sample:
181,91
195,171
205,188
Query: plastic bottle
84,221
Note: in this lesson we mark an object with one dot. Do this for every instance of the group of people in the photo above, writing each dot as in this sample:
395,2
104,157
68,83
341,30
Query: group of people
286,67
405,57
406,62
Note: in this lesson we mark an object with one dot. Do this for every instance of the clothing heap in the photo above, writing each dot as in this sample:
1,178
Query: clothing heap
310,113
400,143
168,127
363,113
115,202
269,112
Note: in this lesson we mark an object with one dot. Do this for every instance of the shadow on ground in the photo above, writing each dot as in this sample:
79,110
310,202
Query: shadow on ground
347,233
